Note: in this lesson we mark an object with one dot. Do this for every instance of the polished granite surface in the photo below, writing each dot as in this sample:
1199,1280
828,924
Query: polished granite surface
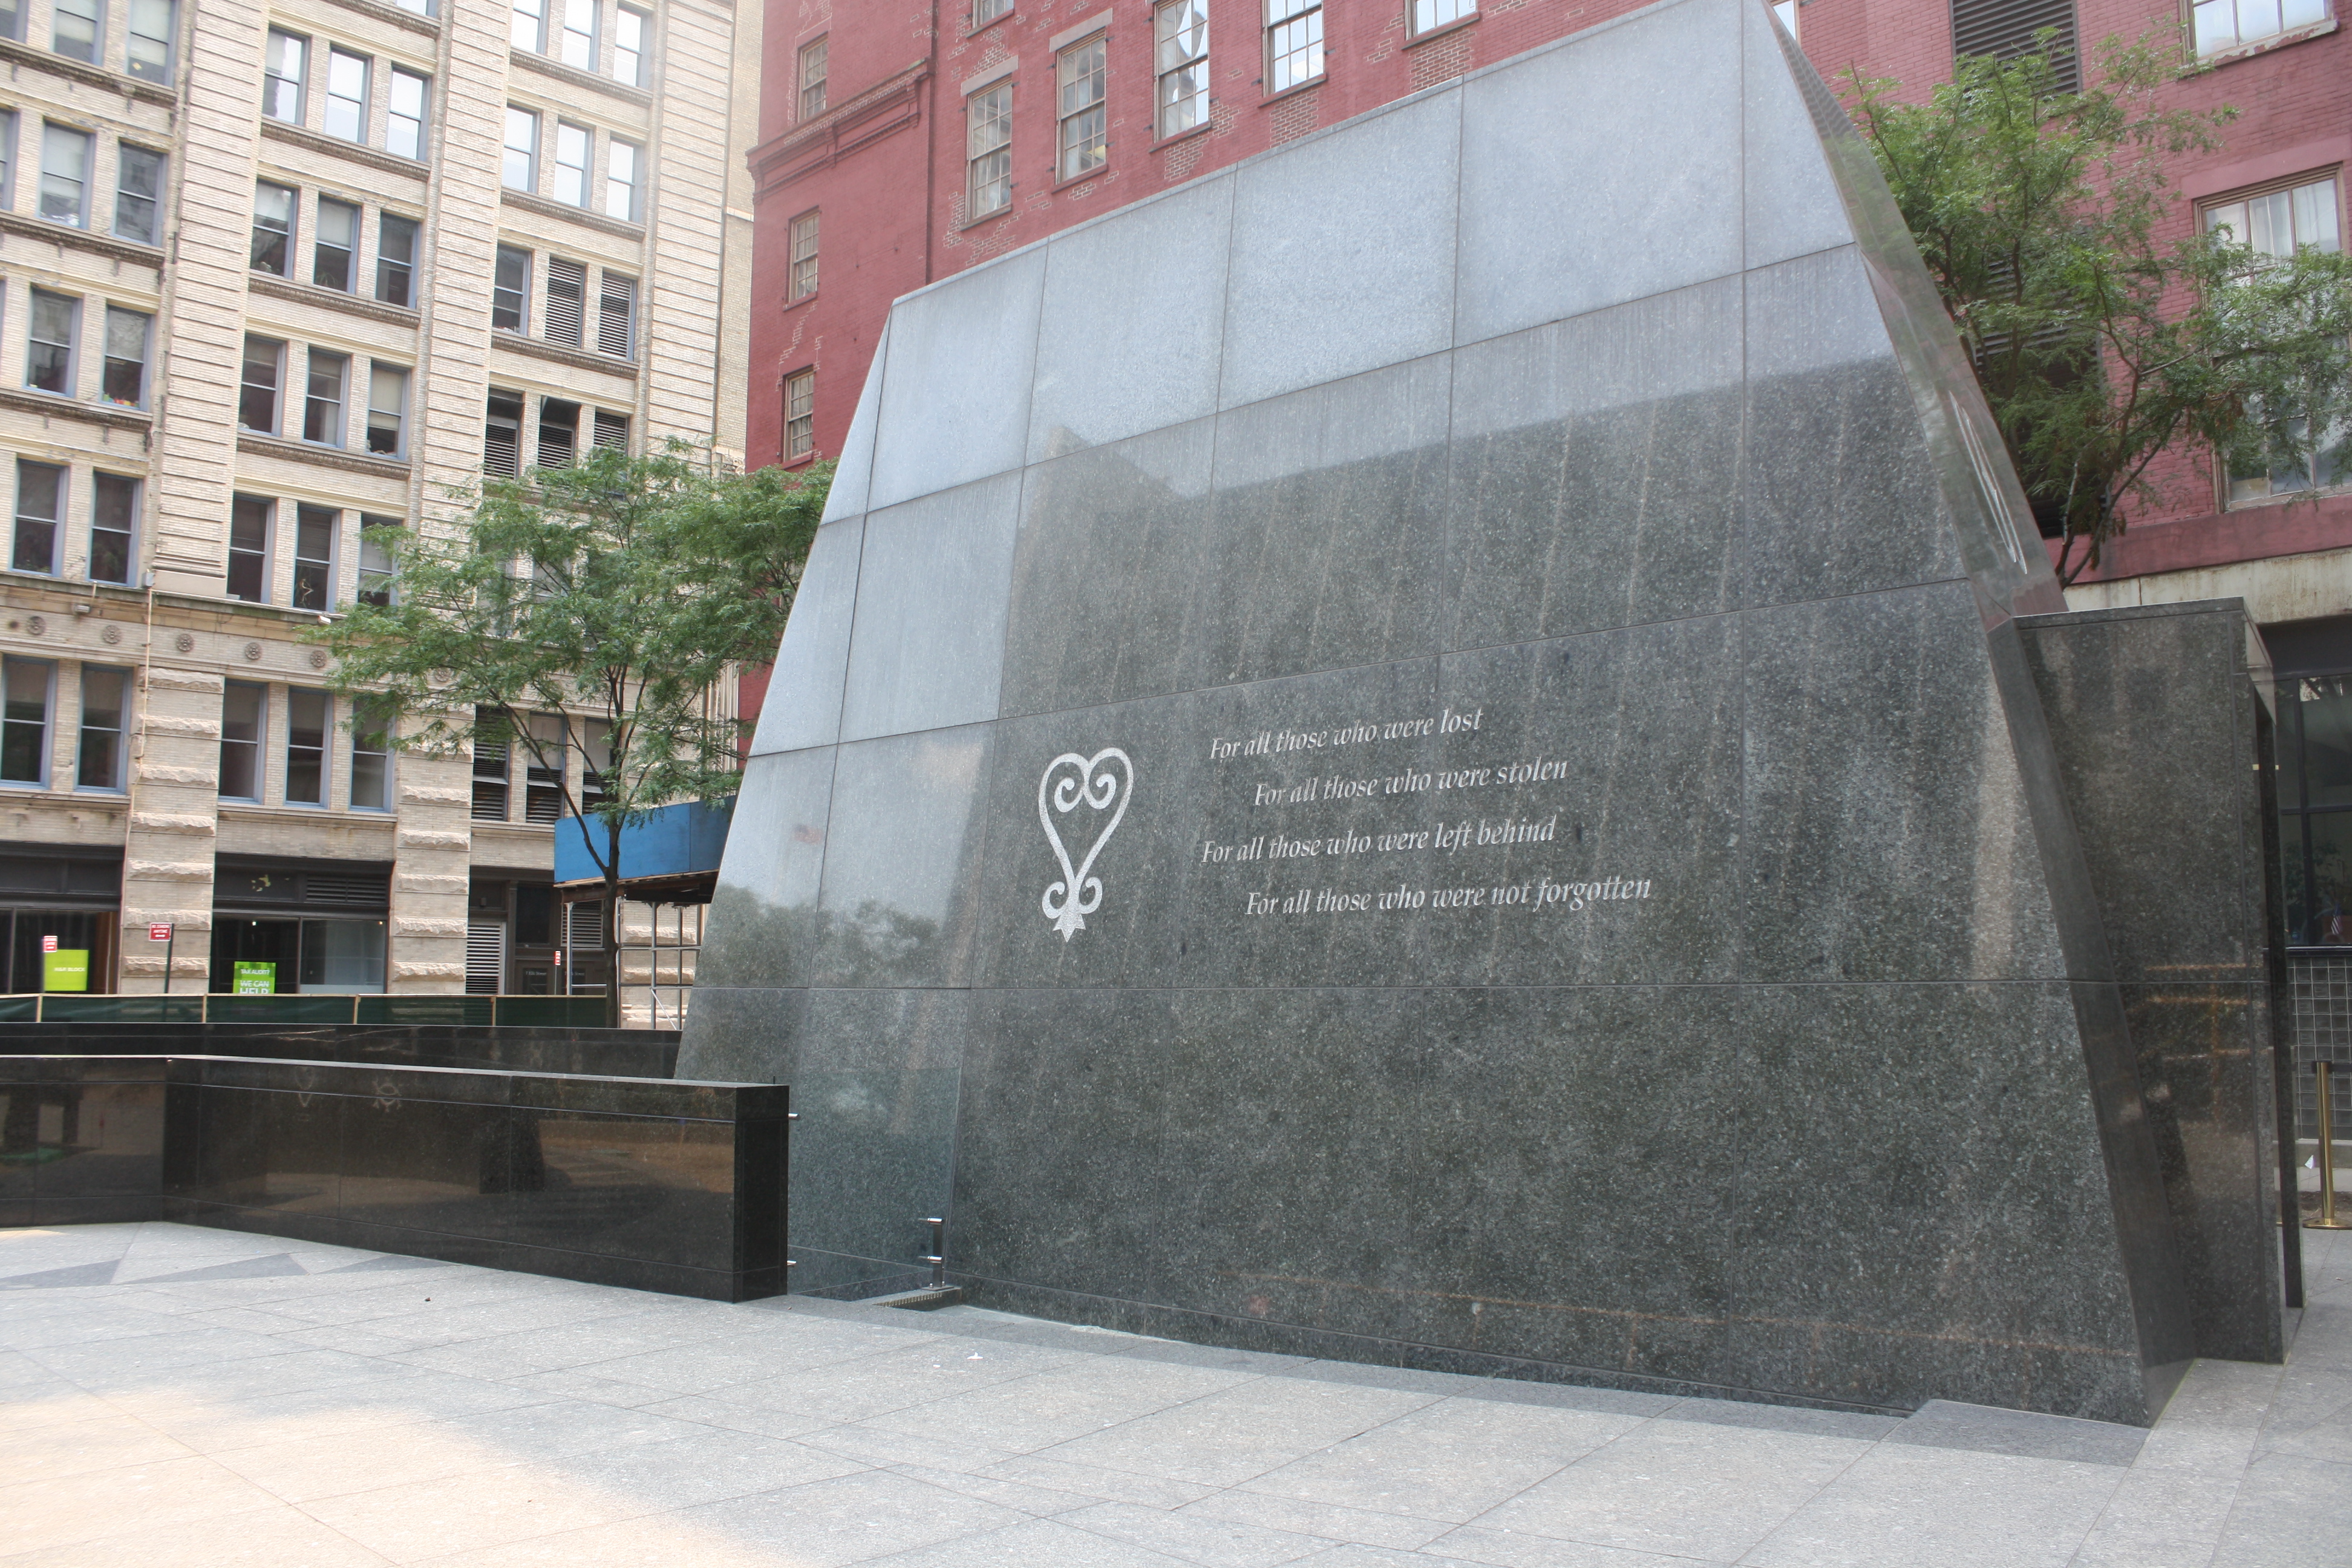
1512,832
188,1398
654,1183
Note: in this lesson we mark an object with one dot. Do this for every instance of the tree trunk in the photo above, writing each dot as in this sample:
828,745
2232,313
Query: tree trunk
612,931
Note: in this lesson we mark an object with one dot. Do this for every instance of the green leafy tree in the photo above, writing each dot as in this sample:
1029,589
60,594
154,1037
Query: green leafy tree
619,593
2099,344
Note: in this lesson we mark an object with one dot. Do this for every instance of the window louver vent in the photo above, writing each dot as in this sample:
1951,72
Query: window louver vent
567,301
2005,29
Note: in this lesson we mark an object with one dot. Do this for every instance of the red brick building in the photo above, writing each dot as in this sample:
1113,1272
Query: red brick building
905,140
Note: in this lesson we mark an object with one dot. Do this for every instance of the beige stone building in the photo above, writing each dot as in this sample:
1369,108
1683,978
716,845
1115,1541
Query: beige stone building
272,276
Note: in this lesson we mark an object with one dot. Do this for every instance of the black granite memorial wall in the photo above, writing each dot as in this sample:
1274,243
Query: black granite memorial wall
650,1183
1420,750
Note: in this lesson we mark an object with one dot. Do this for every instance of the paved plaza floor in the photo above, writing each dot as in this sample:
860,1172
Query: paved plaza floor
177,1396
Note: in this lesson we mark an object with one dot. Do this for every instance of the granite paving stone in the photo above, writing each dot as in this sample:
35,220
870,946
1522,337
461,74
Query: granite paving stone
1133,1452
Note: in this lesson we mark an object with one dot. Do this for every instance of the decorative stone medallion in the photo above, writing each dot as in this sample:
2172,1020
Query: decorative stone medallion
1083,780
252,653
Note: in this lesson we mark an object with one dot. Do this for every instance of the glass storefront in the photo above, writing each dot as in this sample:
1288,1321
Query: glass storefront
2315,790
339,956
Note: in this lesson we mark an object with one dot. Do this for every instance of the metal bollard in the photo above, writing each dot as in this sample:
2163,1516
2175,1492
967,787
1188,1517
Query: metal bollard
937,1255
2327,1220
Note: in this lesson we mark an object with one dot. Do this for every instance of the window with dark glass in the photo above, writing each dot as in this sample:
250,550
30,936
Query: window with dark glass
333,253
800,415
273,228
249,518
244,707
502,436
257,398
154,24
799,276
558,433
113,526
387,426
126,334
314,556
25,720
40,505
371,725
375,559
12,20
511,289
50,342
285,64
78,29
138,185
307,715
395,259
322,399
8,159
100,758
493,755
65,175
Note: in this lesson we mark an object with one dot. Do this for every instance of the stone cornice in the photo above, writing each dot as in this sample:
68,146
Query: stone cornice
336,147
579,359
95,75
528,203
83,239
865,118
572,76
105,414
348,461
428,25
332,300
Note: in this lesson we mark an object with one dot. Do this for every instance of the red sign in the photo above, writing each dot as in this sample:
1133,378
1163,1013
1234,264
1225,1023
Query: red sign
159,934
48,944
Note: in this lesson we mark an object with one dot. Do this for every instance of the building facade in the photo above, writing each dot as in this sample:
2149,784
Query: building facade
278,276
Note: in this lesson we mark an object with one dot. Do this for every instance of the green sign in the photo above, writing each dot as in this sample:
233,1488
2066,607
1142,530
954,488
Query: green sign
67,969
257,979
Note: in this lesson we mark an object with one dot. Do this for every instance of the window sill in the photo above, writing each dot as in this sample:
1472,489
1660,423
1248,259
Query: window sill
64,235
95,76
803,461
575,76
994,214
1309,85
527,202
254,443
336,147
2260,46
1186,134
53,403
277,288
579,359
1439,31
806,298
992,22
1101,171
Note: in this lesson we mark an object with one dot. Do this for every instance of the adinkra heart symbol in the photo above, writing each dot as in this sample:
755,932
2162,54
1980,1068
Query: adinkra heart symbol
1087,780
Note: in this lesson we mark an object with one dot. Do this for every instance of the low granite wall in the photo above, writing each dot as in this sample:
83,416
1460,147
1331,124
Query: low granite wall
601,1053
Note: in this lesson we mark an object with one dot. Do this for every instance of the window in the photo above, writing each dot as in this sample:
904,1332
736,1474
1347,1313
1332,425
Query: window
387,426
314,556
988,150
7,157
99,764
558,433
1785,13
1079,73
12,20
249,518
799,415
527,28
2225,24
322,399
1181,34
520,169
347,95
1294,43
616,308
375,559
65,175
612,431
113,523
542,794
812,79
629,47
1432,14
50,342
395,259
285,65
580,33
621,160
78,29
983,12
801,278
572,144
138,184
371,755
153,26
257,398
510,289
336,248
492,756
242,711
25,720
567,301
40,503
403,117
502,436
307,715
273,229
2280,223
125,381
